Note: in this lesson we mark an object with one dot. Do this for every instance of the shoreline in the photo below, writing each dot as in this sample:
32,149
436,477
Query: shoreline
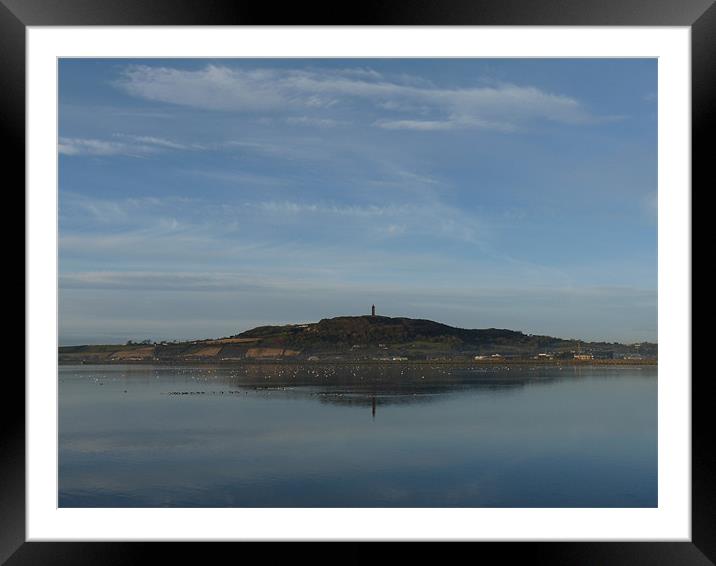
293,362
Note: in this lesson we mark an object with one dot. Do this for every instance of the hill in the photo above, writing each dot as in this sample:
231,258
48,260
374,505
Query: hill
360,338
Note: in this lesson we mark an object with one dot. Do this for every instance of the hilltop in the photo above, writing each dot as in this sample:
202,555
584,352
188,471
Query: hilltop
360,338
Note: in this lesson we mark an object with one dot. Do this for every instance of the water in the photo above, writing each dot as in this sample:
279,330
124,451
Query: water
357,436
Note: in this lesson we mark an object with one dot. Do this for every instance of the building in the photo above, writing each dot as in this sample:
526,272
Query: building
372,311
605,355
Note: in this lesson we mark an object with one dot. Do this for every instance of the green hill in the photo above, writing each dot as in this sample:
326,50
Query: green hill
359,338
346,332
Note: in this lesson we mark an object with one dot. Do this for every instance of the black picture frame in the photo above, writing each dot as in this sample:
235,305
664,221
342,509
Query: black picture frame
699,15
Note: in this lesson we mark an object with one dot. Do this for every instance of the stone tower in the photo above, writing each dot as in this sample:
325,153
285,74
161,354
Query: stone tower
372,311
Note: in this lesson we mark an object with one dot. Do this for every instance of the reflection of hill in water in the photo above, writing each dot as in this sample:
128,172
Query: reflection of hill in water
425,391
374,384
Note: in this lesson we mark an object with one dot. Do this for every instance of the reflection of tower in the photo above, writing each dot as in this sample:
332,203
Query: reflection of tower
372,311
372,404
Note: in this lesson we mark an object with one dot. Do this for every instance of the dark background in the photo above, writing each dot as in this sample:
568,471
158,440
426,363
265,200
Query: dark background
15,15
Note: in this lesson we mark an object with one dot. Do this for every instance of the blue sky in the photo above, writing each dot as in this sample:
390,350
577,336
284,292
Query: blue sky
199,198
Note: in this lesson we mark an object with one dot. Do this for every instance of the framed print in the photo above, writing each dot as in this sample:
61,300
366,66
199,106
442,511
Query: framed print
401,278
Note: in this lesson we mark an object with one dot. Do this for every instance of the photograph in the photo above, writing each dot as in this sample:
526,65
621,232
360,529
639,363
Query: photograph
339,282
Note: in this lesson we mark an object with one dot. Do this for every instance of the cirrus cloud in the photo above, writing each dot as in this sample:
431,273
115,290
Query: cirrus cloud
503,107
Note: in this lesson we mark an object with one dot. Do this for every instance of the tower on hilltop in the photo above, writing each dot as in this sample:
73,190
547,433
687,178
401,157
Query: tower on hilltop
372,311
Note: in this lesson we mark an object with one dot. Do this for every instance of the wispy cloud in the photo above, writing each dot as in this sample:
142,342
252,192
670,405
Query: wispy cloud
503,107
240,178
314,122
119,211
158,142
122,144
425,125
171,231
307,150
451,294
288,207
157,280
83,146
453,122
434,219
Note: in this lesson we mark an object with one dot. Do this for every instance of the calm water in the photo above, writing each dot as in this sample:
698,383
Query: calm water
357,436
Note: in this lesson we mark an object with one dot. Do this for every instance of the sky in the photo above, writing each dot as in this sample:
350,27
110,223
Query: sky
199,198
